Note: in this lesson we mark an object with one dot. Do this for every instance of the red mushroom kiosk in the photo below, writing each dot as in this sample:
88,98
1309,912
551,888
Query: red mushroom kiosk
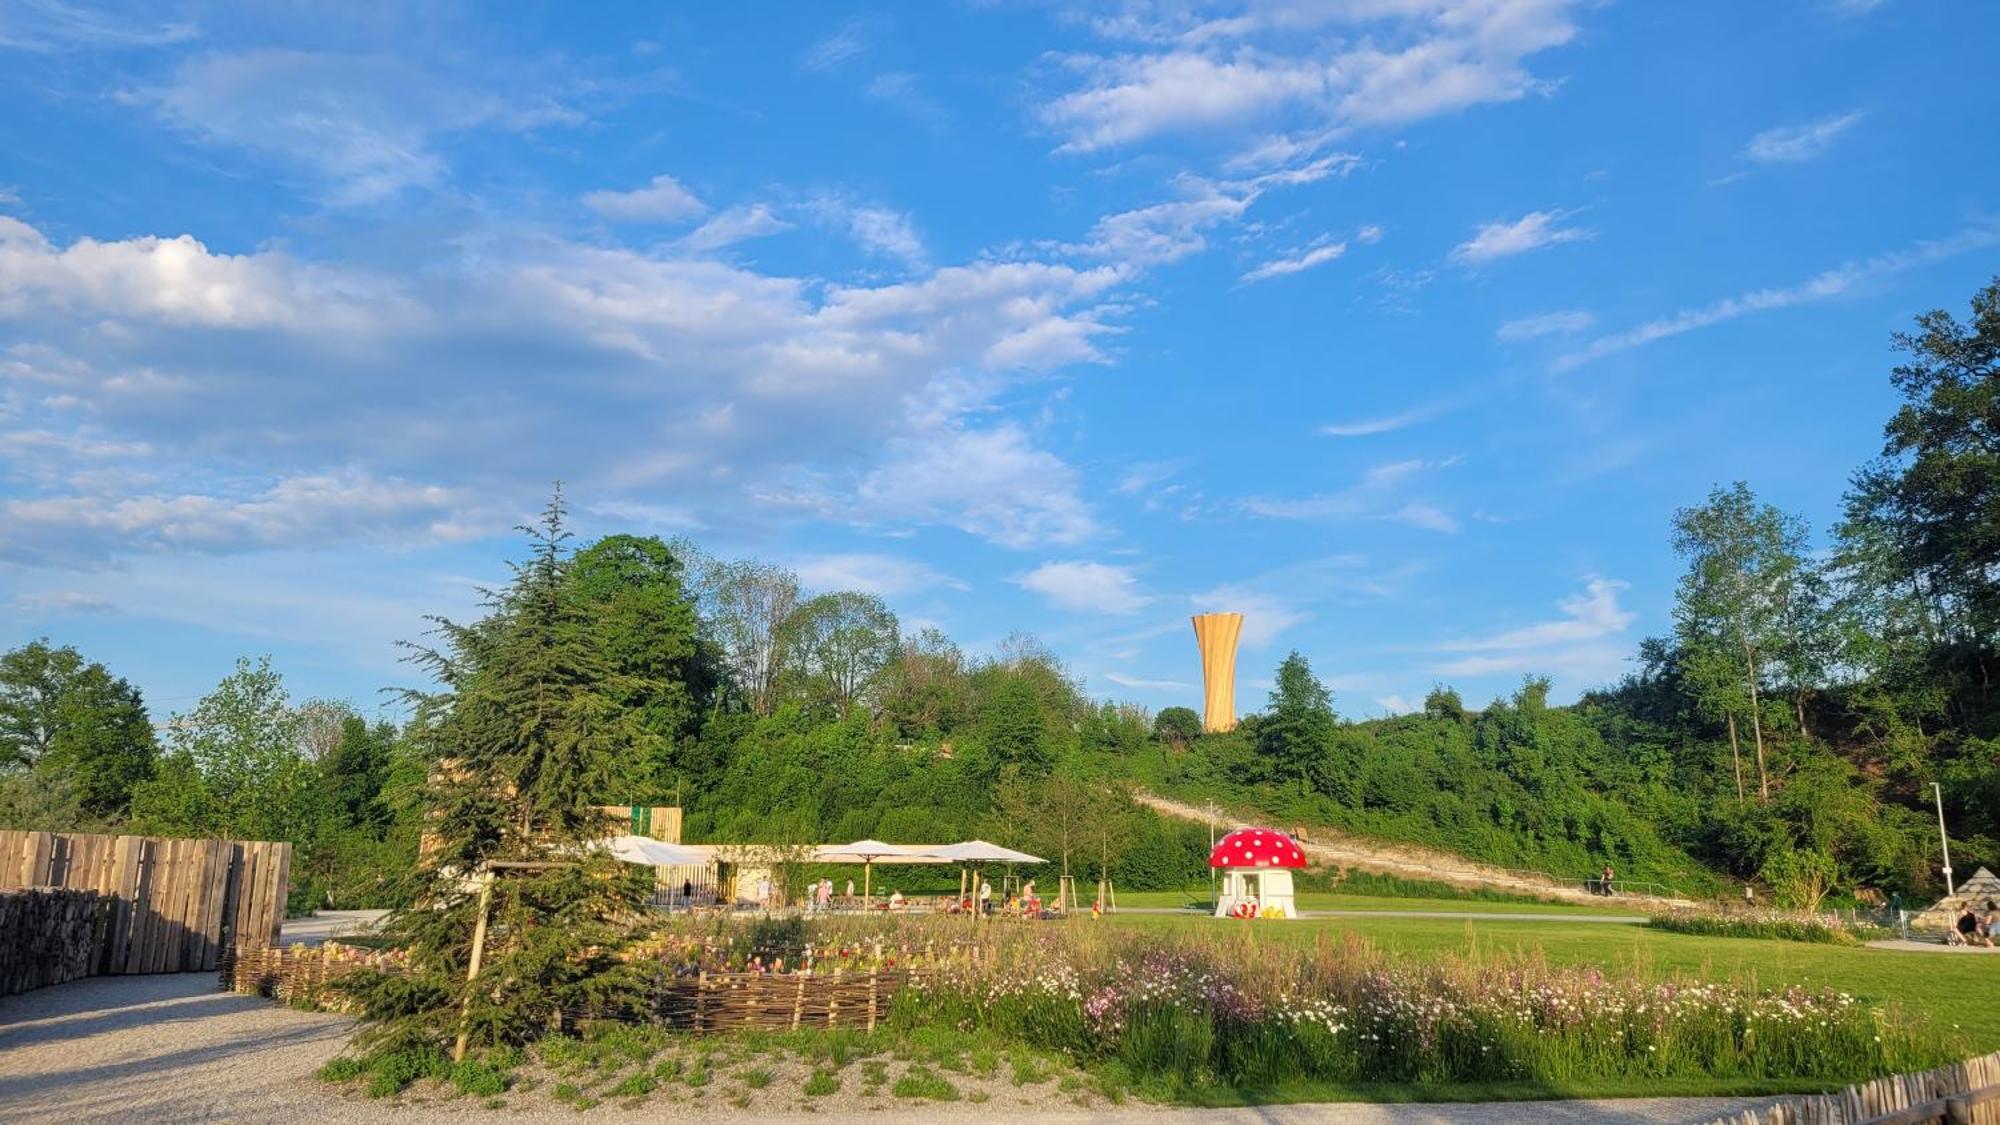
1256,866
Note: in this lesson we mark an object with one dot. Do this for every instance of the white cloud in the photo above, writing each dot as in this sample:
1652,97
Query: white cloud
1394,704
1792,144
993,483
1531,231
878,230
1566,323
1086,587
1587,616
1822,286
53,25
1137,683
738,224
366,123
1369,426
1588,645
63,602
1299,263
1231,66
901,89
178,281
1379,495
887,576
291,512
830,52
664,200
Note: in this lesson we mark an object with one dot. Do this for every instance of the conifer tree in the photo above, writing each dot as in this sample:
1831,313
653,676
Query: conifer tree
527,740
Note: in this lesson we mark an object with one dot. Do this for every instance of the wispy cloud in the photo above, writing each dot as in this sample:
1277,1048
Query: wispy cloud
1086,587
870,573
1586,643
1531,231
1381,494
1369,426
1822,286
738,224
847,43
664,200
1298,263
1566,323
1793,144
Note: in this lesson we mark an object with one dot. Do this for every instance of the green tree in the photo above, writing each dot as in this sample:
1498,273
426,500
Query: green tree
669,676
1298,729
838,644
1932,502
529,740
1742,602
74,740
1177,726
242,741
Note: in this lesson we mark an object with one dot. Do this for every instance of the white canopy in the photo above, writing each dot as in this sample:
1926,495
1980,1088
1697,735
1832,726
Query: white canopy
654,853
873,851
979,851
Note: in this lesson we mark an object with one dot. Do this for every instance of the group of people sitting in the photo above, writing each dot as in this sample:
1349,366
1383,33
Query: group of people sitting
1973,928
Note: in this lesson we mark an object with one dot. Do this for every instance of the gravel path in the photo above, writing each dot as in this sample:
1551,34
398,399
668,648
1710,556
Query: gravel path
167,1049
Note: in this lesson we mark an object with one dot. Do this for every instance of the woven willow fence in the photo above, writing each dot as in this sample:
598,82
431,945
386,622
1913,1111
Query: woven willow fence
1899,1097
705,1003
49,936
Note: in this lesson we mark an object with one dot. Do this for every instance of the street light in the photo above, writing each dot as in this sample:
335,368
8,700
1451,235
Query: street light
1944,840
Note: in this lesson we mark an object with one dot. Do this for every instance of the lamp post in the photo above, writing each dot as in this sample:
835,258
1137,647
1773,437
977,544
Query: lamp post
1211,851
1943,840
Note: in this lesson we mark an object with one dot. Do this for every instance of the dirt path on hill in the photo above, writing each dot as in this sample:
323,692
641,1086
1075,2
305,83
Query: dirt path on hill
1412,862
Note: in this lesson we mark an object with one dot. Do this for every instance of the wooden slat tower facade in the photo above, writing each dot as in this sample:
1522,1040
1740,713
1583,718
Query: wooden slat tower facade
175,904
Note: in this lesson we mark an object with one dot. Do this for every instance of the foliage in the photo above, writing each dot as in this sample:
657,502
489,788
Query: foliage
1177,726
74,740
528,738
1771,926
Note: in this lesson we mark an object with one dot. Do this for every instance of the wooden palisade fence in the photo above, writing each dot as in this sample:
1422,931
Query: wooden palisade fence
171,905
1964,1093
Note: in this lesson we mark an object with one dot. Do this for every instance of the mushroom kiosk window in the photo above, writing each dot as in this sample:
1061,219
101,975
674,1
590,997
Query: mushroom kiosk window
1256,865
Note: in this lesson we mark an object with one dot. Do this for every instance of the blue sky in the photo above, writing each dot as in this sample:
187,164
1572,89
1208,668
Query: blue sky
1401,326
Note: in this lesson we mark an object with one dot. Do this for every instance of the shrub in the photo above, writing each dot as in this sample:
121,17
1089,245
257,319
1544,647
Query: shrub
1769,926
821,1084
925,1083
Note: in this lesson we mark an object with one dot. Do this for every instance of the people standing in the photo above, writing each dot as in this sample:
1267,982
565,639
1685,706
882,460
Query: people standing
985,897
1604,888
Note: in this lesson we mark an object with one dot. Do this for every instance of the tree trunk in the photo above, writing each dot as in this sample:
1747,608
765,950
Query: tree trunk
1757,724
1799,705
1736,755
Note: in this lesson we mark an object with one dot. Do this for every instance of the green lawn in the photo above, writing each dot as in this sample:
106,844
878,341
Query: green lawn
1950,990
1331,901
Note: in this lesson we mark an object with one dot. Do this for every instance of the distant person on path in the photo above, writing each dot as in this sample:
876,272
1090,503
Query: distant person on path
687,892
1989,926
985,897
850,888
1604,886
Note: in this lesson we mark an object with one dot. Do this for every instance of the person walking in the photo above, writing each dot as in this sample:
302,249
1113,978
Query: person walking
985,897
1604,887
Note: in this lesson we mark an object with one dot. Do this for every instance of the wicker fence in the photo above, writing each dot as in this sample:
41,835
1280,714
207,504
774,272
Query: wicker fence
705,1003
1899,1097
49,936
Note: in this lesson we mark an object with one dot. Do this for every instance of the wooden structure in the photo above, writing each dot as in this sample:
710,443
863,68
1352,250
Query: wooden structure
1965,1093
1215,634
172,905
47,937
706,1003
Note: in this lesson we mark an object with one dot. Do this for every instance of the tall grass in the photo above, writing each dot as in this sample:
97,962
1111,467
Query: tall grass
1231,1010
1770,926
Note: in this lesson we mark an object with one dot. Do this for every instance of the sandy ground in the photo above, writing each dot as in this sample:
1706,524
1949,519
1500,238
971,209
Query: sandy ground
1931,945
169,1049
